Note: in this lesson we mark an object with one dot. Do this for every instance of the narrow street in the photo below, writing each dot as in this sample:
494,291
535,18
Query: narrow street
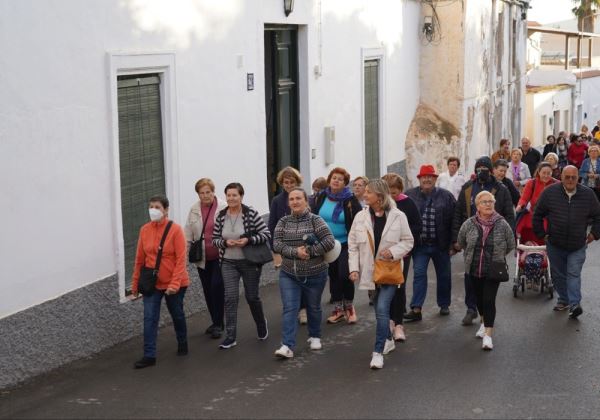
543,365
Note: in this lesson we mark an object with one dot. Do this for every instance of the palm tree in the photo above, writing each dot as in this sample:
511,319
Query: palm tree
585,11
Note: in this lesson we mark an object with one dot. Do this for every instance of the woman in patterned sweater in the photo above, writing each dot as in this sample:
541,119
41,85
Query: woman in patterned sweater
236,226
302,238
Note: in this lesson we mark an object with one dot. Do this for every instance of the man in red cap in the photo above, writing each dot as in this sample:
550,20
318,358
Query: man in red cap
436,206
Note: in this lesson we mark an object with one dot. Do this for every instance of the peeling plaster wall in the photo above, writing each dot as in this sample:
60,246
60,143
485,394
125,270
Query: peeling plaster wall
471,80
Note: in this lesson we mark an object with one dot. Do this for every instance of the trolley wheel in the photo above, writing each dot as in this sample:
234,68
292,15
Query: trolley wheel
542,284
515,290
550,292
523,285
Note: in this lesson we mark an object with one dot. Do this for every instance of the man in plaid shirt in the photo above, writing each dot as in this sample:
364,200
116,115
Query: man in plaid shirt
437,210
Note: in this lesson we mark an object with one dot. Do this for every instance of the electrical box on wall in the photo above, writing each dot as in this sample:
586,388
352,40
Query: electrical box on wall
329,145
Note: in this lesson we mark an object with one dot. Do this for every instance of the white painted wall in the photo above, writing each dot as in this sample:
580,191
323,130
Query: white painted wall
544,104
589,95
56,124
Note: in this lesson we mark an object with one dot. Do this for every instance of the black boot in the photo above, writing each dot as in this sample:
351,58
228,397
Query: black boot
182,349
144,362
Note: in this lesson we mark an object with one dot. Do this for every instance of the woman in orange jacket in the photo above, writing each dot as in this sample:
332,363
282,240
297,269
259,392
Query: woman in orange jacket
172,281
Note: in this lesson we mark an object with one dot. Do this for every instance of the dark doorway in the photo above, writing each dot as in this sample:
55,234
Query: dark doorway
281,101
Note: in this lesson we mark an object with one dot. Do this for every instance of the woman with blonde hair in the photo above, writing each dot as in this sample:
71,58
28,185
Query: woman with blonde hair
552,159
486,239
199,227
518,172
379,231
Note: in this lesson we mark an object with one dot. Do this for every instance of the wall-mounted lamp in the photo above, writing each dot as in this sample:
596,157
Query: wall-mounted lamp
288,7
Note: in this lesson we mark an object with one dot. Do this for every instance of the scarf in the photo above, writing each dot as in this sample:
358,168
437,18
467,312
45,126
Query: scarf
486,227
340,197
400,197
516,171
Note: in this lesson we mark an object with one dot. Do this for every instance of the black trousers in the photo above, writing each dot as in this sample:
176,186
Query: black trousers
341,287
485,293
214,291
398,307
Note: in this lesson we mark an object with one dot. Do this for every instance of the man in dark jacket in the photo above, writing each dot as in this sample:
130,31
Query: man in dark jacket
482,180
568,208
436,207
500,167
531,157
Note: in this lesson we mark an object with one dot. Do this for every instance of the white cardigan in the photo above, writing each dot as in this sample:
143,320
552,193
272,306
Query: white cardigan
194,224
396,237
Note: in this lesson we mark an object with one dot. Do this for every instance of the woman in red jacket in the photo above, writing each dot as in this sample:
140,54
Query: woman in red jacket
531,194
577,151
172,282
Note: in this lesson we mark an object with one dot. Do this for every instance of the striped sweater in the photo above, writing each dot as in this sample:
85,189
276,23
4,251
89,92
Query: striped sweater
255,229
288,237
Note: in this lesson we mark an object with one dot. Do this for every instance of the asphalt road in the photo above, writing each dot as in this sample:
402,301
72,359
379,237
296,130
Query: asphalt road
543,365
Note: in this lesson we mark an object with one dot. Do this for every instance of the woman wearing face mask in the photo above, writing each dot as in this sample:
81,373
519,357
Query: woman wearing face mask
590,170
550,147
302,238
337,205
531,193
236,226
518,172
199,225
172,280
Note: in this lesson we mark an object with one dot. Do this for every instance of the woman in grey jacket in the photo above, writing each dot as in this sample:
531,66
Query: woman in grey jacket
485,238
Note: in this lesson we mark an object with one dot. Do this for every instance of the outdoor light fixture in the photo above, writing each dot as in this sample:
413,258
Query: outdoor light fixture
288,7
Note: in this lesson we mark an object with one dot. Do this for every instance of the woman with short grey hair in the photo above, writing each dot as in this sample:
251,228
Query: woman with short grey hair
486,238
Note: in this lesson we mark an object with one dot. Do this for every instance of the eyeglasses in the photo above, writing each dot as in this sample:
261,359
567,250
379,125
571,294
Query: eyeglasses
487,202
572,177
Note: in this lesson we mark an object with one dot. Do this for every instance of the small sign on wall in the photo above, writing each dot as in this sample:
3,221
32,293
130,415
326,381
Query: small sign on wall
249,81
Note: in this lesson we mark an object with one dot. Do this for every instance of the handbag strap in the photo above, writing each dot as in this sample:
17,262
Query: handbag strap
207,217
371,243
160,247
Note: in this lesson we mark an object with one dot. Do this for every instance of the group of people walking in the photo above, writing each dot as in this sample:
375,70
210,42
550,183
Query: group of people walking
366,232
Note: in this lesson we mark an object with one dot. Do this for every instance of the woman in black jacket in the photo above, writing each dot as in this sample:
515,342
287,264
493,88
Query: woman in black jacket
409,208
337,205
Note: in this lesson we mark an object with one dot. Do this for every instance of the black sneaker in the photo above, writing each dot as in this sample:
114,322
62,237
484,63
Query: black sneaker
144,362
228,343
575,311
470,316
263,331
444,311
182,349
210,329
413,316
217,332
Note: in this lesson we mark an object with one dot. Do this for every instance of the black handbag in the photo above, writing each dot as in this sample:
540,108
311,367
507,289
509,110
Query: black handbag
258,254
498,271
148,275
195,253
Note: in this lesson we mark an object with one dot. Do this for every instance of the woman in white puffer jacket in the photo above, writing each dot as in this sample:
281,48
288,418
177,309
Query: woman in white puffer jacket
388,228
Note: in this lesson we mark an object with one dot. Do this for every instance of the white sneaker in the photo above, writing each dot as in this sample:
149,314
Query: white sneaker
284,352
487,343
389,346
315,343
377,361
481,331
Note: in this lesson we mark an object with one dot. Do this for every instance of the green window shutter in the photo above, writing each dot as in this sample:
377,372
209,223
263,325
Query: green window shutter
371,98
141,157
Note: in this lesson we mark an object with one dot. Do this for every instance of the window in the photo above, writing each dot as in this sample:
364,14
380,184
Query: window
141,157
371,115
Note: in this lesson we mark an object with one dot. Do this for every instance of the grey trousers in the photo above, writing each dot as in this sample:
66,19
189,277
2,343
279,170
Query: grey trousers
232,270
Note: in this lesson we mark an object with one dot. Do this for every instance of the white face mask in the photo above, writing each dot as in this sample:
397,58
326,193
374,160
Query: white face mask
155,214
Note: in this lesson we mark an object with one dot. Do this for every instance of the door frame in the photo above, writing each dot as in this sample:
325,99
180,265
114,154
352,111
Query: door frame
375,53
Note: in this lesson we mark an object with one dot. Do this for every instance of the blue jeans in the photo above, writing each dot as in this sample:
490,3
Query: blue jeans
565,267
292,289
441,261
382,301
152,316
